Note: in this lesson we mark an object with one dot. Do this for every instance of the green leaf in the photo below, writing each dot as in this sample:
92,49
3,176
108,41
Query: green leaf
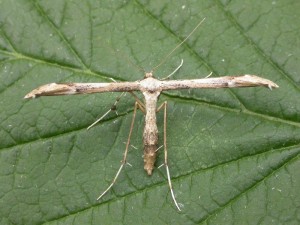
233,154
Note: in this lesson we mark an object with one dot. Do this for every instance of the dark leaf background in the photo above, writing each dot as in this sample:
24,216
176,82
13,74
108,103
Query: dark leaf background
233,154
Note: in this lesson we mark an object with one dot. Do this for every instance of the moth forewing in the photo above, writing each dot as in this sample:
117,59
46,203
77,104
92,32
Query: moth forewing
150,84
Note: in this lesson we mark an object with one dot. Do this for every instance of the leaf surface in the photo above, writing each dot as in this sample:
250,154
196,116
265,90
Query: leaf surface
233,153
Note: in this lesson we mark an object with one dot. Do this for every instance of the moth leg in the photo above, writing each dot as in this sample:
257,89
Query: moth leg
140,103
112,108
173,71
164,105
123,162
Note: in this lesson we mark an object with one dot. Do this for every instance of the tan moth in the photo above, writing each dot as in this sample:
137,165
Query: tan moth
151,88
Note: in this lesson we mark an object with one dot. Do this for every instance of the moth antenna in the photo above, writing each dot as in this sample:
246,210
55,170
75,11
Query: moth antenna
184,40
